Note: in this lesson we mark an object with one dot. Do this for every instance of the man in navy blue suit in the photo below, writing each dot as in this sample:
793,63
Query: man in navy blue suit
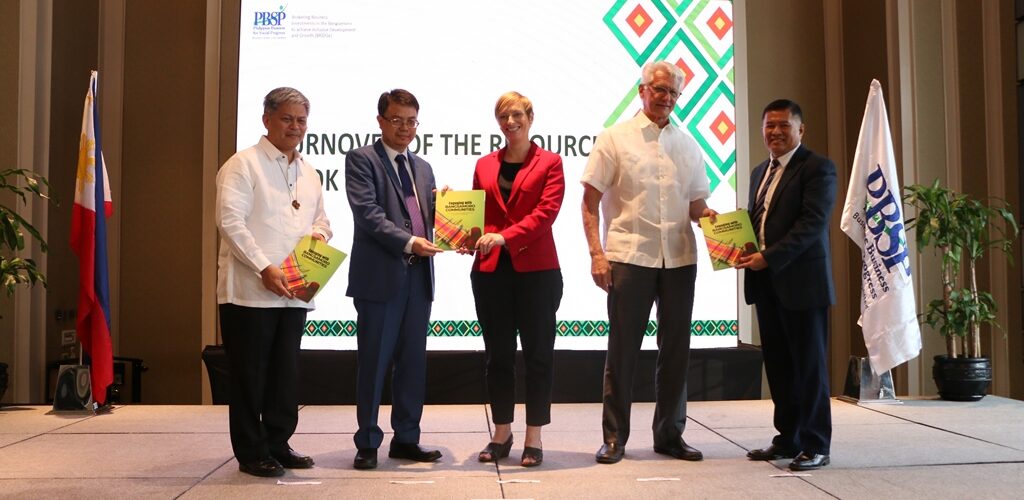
790,282
391,278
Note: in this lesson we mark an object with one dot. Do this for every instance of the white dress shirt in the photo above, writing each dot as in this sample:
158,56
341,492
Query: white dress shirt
783,161
258,224
649,175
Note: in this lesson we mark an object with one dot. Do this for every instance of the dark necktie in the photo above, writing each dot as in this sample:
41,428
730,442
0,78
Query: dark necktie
410,198
758,212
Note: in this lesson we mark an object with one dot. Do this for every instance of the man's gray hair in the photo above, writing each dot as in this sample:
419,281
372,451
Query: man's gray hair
284,95
647,74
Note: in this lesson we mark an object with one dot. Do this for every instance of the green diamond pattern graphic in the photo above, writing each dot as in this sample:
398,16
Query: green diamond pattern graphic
685,109
462,328
640,50
719,168
700,32
690,30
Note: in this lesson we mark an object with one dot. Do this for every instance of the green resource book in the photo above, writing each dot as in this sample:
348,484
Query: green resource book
459,219
729,238
310,266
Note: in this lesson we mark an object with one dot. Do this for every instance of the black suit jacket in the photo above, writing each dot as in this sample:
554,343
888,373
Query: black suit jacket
796,234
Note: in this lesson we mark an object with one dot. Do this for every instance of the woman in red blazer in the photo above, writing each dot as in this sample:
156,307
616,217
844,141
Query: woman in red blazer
517,283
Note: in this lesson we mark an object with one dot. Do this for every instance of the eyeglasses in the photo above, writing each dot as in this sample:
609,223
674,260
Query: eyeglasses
660,91
397,122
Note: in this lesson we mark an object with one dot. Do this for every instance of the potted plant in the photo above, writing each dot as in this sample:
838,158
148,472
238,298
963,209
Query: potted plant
961,229
15,270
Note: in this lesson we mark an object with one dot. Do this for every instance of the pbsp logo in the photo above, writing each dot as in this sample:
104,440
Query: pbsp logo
270,18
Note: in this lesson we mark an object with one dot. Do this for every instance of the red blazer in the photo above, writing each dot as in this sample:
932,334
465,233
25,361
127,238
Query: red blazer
525,220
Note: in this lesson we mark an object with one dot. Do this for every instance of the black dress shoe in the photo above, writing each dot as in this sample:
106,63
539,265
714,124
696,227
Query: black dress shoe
292,460
610,453
808,461
412,451
267,467
772,452
366,458
493,451
680,450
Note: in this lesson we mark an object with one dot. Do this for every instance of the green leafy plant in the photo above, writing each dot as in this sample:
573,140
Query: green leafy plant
961,229
15,270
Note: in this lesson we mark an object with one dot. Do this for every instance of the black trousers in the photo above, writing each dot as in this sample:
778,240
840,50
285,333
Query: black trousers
634,290
793,343
262,345
508,302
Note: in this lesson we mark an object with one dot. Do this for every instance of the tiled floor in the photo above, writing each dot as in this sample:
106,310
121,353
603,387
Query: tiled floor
920,449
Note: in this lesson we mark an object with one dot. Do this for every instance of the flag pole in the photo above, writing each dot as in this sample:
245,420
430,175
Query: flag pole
873,219
89,241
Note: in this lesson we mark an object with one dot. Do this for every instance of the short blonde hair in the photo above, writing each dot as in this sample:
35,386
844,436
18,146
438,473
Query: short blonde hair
512,98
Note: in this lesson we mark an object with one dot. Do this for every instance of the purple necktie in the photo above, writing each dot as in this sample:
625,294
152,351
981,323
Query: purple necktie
410,199
758,212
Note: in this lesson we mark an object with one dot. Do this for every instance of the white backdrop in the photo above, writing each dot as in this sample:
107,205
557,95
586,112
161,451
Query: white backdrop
457,57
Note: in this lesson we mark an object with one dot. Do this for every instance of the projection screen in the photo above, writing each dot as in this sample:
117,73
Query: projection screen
578,61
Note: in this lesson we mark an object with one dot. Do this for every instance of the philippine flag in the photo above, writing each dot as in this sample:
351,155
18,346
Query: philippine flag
89,242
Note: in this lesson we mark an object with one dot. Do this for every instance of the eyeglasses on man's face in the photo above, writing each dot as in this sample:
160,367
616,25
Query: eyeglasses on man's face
397,122
659,91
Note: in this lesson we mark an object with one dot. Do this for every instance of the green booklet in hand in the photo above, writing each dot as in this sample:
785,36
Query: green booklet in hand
458,219
310,265
729,238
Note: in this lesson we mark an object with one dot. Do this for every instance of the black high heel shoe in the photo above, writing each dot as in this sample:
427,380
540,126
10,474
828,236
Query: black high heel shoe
493,451
536,456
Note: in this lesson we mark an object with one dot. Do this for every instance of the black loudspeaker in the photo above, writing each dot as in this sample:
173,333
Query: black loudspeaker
74,389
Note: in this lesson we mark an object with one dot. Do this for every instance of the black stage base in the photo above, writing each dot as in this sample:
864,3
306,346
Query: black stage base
457,377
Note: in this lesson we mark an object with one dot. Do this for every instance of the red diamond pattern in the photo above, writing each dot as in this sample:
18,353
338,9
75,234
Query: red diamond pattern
719,23
687,72
639,20
723,127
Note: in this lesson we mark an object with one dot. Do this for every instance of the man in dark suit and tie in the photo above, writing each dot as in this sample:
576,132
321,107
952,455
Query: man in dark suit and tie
391,278
790,283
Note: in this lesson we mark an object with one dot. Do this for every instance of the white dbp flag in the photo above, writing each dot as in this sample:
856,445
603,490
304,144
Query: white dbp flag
873,218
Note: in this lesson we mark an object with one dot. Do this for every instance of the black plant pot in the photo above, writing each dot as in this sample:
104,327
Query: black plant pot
3,380
962,379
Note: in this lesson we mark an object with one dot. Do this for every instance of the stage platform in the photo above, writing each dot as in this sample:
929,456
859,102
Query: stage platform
922,449
457,377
